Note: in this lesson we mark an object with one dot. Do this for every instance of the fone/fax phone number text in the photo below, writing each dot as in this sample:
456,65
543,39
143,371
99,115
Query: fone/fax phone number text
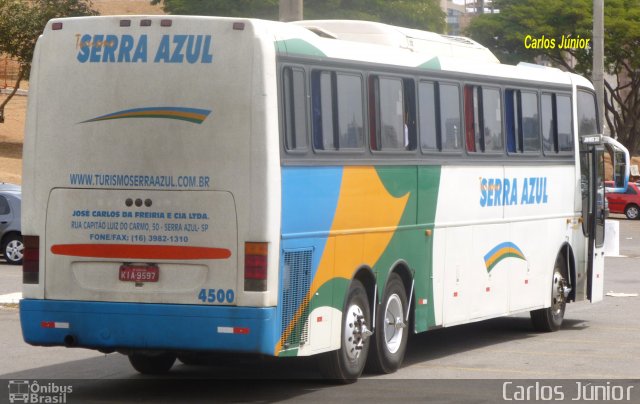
159,238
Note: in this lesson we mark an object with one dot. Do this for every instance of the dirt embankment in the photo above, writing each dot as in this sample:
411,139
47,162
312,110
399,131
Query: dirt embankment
11,137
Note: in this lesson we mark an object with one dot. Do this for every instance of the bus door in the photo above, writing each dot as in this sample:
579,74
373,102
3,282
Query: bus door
592,159
595,224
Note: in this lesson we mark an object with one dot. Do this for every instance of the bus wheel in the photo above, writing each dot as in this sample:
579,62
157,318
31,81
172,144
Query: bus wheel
390,339
550,319
346,364
152,364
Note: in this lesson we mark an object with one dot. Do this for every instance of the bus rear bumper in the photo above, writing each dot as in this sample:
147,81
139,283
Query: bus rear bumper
131,326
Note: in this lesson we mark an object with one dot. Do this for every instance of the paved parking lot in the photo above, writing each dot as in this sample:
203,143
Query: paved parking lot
598,341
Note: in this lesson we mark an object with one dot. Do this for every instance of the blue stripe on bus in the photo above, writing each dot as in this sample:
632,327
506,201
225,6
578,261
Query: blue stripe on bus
309,201
309,198
149,326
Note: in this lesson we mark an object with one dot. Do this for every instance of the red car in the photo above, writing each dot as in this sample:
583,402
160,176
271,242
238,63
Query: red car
627,203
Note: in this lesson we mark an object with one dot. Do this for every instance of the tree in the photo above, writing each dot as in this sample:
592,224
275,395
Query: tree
22,22
420,14
505,33
267,9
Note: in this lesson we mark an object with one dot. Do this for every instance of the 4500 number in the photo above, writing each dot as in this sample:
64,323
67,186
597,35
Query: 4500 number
216,295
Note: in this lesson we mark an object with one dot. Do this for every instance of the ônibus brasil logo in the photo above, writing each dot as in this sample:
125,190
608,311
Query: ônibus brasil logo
25,391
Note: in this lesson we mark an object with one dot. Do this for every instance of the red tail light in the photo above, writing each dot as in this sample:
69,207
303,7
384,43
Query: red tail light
255,266
31,260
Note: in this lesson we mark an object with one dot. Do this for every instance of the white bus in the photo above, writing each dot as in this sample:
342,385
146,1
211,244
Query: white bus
199,185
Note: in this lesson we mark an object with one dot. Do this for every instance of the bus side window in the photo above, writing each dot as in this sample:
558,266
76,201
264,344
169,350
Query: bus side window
337,110
492,120
522,122
483,118
350,114
439,111
322,110
295,109
587,117
563,113
472,115
430,139
548,124
557,135
530,122
449,97
393,126
512,120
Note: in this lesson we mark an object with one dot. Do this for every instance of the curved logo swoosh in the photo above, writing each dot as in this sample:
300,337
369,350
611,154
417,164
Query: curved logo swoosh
193,115
500,252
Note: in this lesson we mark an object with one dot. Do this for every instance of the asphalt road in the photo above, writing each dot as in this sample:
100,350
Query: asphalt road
598,344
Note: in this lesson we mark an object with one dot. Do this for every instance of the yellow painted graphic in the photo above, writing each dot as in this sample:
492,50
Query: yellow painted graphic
365,220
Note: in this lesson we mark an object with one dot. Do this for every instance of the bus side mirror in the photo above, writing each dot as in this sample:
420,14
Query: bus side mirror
620,161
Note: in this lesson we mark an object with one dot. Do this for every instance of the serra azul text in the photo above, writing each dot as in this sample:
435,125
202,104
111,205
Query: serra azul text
100,48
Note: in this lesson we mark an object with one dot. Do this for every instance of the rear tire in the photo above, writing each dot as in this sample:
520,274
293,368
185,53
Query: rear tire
13,249
390,339
345,365
632,212
152,364
550,318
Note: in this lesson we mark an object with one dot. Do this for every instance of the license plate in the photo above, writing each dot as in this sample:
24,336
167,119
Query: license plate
139,273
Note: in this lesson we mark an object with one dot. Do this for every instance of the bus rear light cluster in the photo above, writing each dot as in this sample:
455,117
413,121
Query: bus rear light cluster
31,260
255,266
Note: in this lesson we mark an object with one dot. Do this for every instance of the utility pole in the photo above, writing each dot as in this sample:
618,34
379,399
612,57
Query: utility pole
290,10
598,57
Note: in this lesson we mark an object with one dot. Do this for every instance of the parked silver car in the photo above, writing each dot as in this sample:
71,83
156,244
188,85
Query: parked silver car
11,246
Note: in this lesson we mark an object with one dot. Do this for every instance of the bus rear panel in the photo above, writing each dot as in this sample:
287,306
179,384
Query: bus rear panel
150,222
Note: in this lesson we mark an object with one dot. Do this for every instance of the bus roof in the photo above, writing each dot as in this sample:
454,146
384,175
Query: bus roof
381,43
405,38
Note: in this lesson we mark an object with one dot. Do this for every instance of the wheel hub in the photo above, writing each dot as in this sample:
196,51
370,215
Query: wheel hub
394,323
560,292
356,332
